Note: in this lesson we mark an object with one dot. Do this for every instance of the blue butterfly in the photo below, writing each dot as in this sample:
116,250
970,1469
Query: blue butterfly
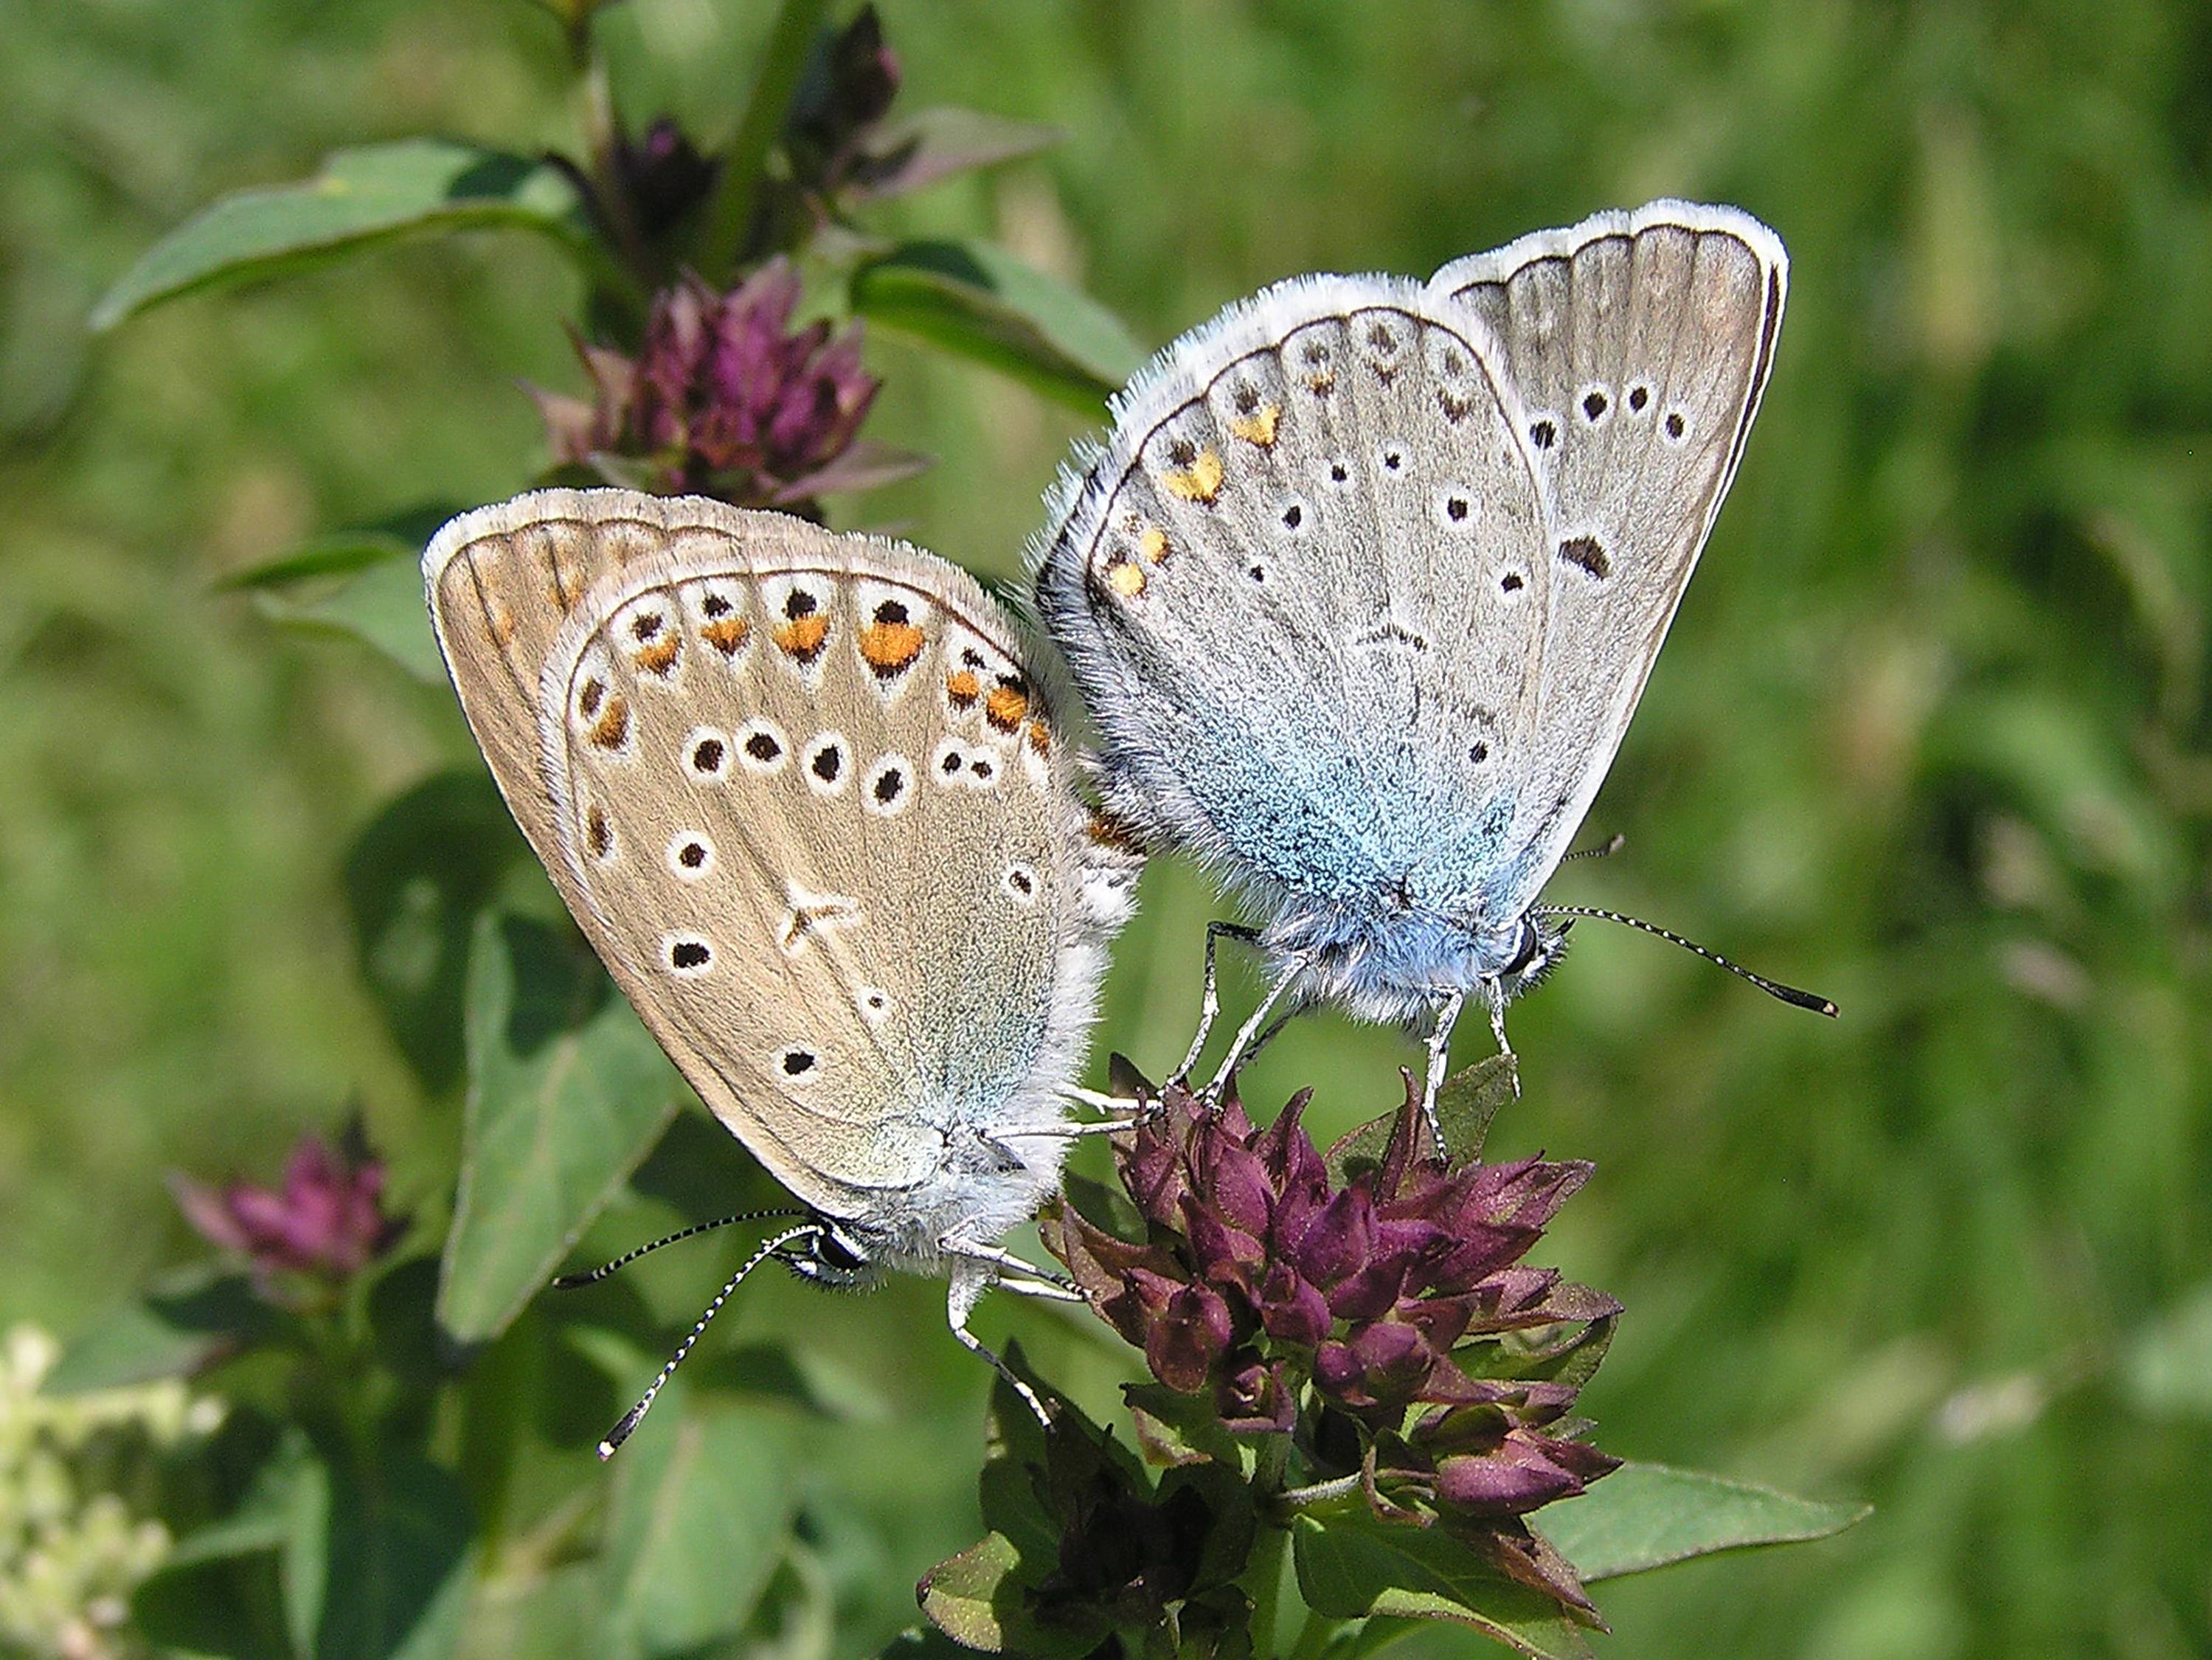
1367,579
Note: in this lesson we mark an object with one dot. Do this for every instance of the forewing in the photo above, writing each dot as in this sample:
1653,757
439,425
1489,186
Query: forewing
742,752
1299,587
1638,343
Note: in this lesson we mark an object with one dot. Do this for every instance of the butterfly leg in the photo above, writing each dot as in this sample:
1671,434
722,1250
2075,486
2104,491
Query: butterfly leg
1494,992
1033,1281
1445,1010
1240,1047
970,1278
1210,1004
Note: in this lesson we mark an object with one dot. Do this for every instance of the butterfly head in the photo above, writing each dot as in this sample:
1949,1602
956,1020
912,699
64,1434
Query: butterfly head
830,1255
1540,941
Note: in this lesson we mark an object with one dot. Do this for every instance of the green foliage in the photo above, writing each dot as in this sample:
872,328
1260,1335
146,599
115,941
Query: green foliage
1930,733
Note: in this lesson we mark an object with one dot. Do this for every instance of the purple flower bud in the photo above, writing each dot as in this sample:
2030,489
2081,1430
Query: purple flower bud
1291,1309
1190,1334
1254,1398
1341,1239
1524,1471
661,175
326,1220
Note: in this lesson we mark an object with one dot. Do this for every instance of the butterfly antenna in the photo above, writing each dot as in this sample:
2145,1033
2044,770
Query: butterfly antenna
1790,994
570,1281
635,1416
1604,849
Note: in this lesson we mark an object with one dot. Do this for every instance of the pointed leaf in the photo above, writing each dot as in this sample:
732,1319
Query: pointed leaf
702,1518
980,302
912,153
1645,1515
381,602
381,1570
362,195
1466,1102
185,1324
567,1093
1352,1565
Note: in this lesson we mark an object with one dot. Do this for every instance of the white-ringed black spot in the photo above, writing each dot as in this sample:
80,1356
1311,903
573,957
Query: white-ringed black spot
948,765
1595,405
589,696
891,614
1246,397
1478,752
705,753
598,834
1543,433
1181,451
1338,473
982,772
1675,425
1393,460
1511,582
796,1062
1019,883
1257,573
1639,395
875,1005
799,603
645,625
825,764
689,956
713,605
887,786
1456,508
762,746
1586,553
690,855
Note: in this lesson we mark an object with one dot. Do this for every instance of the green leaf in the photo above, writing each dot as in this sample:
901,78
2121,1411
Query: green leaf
379,603
911,153
1466,1102
362,196
1352,1565
2167,1370
377,1567
185,1324
701,1520
342,552
980,302
963,1595
1645,1515
416,880
567,1093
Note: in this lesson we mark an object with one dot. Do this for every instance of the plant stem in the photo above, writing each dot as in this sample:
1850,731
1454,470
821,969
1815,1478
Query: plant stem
1298,1500
1263,1578
737,194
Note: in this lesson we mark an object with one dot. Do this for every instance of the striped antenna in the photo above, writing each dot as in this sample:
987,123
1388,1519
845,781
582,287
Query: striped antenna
635,1416
1790,994
570,1281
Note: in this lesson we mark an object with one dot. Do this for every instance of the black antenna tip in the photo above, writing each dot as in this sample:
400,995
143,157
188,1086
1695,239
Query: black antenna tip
570,1281
620,1432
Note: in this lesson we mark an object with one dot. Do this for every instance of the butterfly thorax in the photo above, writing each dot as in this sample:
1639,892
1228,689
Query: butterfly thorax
1396,970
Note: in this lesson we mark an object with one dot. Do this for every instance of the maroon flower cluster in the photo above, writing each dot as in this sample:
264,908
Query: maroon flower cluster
326,1222
724,399
1339,1297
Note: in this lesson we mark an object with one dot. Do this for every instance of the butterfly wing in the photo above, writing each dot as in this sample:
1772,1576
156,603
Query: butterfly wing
1638,343
1299,588
802,797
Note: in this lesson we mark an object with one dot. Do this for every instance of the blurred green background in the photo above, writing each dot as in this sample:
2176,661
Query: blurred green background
1931,734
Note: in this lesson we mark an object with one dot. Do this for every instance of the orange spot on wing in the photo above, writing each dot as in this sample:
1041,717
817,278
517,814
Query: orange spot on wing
1004,707
1040,737
891,648
802,636
1125,579
660,656
1153,543
964,688
1320,385
1200,482
726,634
1258,429
612,727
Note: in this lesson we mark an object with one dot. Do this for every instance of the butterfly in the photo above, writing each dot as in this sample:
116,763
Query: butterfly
817,817
1365,583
